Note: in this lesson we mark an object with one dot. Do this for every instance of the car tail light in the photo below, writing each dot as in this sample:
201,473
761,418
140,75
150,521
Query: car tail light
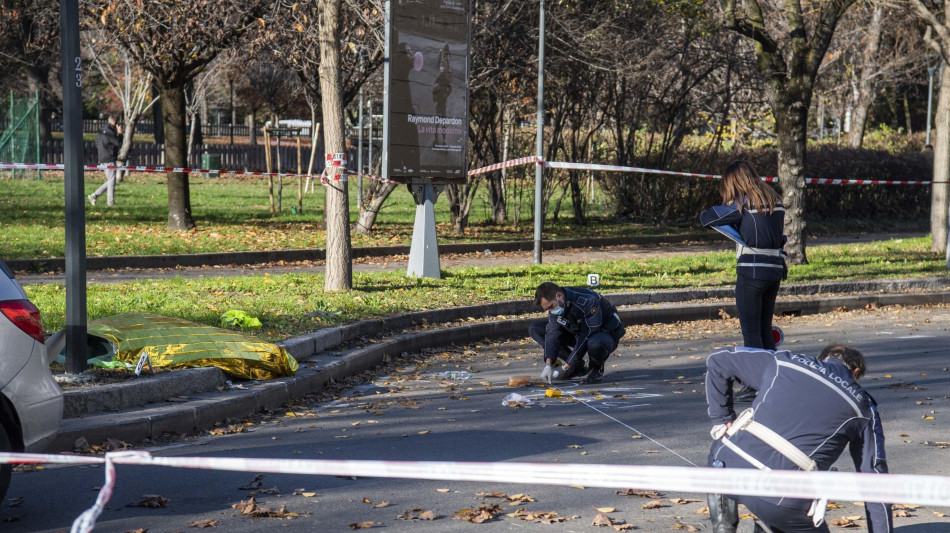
25,316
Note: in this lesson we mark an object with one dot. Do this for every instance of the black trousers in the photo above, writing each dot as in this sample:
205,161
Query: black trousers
755,300
599,345
782,519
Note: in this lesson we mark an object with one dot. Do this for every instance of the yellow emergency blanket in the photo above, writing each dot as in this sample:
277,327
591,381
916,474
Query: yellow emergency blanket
176,343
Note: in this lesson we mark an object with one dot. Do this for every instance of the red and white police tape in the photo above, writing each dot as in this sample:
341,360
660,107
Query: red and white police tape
896,488
333,162
617,168
507,164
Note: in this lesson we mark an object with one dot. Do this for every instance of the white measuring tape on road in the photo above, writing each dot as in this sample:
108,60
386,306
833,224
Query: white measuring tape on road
902,488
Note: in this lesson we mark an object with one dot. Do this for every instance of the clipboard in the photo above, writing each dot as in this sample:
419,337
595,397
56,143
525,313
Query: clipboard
730,232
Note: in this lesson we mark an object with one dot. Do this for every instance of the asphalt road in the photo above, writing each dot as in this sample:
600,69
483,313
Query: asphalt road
649,410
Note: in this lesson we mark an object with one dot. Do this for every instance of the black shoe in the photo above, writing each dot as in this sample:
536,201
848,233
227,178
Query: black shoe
595,374
723,513
744,395
575,371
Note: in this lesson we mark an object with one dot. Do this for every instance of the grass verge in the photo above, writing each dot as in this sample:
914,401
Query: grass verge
293,304
233,214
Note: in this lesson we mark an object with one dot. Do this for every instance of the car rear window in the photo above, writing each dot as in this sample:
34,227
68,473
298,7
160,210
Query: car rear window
6,271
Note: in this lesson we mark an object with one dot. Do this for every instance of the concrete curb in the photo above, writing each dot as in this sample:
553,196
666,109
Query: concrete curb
57,264
136,416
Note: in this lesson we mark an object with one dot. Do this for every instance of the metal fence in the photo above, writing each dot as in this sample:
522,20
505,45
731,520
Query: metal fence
233,157
148,128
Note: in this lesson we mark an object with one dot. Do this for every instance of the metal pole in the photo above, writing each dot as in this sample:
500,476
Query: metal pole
930,94
539,169
821,120
75,197
36,125
387,72
359,149
369,148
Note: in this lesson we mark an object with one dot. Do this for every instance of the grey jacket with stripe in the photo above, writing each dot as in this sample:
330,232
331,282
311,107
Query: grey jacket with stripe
815,405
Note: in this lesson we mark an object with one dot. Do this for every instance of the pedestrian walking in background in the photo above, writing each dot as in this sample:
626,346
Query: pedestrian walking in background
580,322
754,211
108,142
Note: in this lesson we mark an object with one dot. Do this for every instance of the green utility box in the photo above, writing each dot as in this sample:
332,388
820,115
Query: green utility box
210,162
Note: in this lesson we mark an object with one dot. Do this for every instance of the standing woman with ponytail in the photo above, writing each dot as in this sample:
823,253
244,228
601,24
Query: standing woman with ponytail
754,209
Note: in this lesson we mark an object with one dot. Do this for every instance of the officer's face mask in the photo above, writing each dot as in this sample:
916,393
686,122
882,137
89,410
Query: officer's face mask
559,310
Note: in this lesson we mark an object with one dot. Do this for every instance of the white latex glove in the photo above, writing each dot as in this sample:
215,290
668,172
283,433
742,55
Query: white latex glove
546,374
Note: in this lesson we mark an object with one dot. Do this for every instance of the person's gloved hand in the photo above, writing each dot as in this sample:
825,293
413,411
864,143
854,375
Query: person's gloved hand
719,430
546,374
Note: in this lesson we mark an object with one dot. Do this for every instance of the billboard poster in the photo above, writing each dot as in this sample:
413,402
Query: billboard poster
428,89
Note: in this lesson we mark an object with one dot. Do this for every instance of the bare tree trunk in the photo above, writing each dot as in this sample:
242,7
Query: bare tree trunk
909,126
251,124
460,204
374,197
270,168
179,195
123,158
789,67
339,269
864,85
790,121
191,138
37,78
938,202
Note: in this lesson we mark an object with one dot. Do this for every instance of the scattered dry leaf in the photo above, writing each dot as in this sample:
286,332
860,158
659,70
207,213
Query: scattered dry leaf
229,429
601,520
606,509
250,508
654,504
152,501
201,524
254,485
550,517
843,522
361,525
482,514
417,513
679,525
640,493
683,501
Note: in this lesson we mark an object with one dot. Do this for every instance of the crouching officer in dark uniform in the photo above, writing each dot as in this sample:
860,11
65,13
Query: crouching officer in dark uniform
806,412
580,321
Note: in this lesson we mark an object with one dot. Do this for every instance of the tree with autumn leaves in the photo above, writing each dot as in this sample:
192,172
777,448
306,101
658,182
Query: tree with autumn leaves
174,41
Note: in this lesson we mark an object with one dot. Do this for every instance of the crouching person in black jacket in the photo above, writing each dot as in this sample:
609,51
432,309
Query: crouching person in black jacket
580,322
